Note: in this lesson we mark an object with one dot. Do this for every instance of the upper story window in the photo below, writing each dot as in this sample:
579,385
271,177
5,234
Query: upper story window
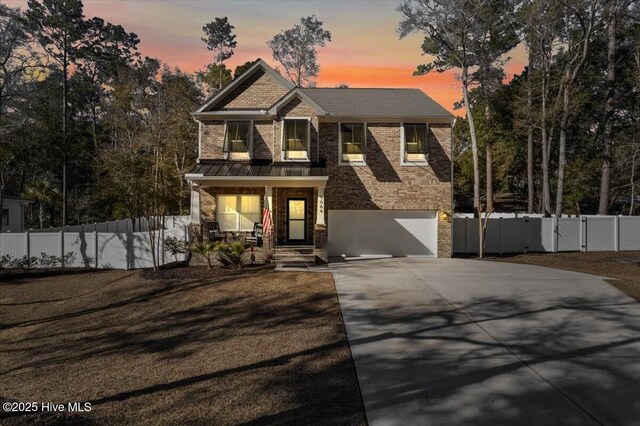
352,142
414,145
237,140
296,135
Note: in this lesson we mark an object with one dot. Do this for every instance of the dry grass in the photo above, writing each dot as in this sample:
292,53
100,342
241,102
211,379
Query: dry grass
622,267
266,347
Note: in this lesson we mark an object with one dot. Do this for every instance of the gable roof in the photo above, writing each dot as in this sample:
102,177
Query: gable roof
381,103
258,64
299,93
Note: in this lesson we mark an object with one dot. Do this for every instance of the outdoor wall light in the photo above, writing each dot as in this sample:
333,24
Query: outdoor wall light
445,216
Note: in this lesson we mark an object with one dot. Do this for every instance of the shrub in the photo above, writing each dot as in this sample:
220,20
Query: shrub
176,246
205,249
230,254
44,261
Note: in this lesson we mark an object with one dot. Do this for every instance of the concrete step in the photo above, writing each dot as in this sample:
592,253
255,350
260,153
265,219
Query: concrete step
294,260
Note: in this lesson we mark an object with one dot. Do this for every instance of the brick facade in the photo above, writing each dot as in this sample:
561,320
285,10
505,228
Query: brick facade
260,91
386,184
383,183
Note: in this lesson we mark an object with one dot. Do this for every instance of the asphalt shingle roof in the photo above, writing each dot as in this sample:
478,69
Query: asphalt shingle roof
383,103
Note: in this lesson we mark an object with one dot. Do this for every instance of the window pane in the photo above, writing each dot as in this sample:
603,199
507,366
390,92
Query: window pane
352,137
297,209
238,136
250,204
295,132
296,230
247,220
415,136
226,212
228,221
227,203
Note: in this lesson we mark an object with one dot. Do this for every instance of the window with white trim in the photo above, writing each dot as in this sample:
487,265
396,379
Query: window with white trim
352,142
414,144
237,140
238,212
296,135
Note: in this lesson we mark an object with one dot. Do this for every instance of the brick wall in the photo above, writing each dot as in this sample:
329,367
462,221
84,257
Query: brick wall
383,183
260,91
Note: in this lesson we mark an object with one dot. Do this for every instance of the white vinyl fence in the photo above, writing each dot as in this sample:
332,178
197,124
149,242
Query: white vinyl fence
511,234
97,249
122,225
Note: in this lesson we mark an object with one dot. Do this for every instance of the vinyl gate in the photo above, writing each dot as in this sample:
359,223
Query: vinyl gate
548,234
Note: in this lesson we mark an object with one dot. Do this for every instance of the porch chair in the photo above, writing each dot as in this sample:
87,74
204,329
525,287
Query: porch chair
213,230
256,236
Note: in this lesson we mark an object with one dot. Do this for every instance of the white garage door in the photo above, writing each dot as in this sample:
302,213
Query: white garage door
382,232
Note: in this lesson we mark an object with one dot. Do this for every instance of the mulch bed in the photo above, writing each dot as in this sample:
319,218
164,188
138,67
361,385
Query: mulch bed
16,273
259,347
203,271
622,267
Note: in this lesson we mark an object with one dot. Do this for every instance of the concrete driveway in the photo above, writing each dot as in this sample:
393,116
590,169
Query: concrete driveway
464,342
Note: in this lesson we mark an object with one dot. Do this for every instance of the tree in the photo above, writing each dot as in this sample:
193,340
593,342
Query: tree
579,23
296,49
495,35
609,108
242,68
60,28
457,35
220,39
213,76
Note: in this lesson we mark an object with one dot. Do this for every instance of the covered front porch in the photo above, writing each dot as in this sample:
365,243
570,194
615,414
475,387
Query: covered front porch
291,209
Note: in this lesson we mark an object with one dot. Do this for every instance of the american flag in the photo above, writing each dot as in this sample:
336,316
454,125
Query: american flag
267,224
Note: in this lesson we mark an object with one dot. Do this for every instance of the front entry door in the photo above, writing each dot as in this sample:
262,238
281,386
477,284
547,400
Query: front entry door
296,220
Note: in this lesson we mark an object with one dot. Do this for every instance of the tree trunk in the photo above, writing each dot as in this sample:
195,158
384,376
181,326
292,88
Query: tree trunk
474,152
562,151
489,159
609,111
633,185
530,189
546,189
64,136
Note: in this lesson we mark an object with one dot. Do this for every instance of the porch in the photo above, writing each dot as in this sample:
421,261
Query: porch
292,196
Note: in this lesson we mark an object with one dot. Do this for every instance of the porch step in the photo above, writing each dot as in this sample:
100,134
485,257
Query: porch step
295,257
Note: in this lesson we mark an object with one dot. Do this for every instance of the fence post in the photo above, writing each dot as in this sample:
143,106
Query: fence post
499,234
466,244
95,235
583,233
554,234
525,221
616,233
61,241
27,248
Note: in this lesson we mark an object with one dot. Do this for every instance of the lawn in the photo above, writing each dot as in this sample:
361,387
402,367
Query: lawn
623,268
145,348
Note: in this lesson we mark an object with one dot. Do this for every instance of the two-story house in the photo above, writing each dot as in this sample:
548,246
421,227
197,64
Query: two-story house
344,172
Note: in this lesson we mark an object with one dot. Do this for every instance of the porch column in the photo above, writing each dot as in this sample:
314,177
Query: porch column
268,190
195,204
320,206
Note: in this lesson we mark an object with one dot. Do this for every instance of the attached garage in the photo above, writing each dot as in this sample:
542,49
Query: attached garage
382,232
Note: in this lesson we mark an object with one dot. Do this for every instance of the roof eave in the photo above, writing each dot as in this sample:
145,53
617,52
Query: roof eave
245,75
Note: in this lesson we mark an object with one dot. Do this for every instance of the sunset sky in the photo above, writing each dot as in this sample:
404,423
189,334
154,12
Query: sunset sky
365,50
